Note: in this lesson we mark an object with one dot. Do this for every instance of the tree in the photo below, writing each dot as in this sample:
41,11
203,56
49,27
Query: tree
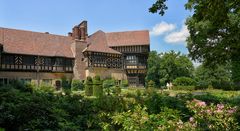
173,65
214,32
153,67
166,67
212,76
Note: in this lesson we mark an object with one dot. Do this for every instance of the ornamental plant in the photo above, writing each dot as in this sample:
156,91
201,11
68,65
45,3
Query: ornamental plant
211,117
88,86
77,85
97,86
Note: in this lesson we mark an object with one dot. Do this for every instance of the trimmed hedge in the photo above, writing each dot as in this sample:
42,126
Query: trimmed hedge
97,86
124,83
188,88
184,81
88,86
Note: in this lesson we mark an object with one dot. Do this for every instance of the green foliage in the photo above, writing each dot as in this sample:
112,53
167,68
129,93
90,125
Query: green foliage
45,88
140,119
124,83
159,6
153,68
77,85
214,33
184,81
156,103
108,84
88,86
97,86
205,116
150,88
151,84
117,90
201,85
131,109
66,84
188,88
219,77
166,67
174,65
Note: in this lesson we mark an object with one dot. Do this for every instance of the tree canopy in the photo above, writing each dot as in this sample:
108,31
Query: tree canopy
166,67
214,31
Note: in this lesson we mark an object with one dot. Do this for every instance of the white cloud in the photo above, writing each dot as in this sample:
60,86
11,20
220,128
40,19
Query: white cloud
177,36
162,28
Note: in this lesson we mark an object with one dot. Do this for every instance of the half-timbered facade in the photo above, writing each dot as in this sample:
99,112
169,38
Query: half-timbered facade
44,57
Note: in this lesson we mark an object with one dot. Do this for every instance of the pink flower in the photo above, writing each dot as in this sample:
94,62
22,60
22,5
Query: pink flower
220,106
191,119
232,110
201,103
208,111
219,111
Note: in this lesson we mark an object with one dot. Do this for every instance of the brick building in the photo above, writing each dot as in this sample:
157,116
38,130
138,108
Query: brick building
46,58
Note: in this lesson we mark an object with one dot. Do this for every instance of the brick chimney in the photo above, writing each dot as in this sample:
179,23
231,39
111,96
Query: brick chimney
83,30
79,32
76,33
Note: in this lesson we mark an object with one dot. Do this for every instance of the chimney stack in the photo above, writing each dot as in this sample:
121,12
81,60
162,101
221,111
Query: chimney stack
70,34
79,32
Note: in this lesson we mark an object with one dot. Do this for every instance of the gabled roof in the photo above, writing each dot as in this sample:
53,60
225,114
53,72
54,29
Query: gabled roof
98,43
44,44
35,43
128,38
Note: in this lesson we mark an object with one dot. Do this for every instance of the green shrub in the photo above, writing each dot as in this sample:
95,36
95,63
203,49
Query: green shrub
124,83
77,85
150,87
66,85
117,90
108,84
184,81
88,86
188,88
201,85
224,85
151,84
46,88
97,86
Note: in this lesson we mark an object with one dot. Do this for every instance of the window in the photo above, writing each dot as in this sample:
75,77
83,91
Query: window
69,62
8,59
28,60
47,81
25,80
3,81
48,61
131,59
59,61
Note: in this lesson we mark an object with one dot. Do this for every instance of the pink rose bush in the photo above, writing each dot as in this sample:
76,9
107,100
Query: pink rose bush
211,117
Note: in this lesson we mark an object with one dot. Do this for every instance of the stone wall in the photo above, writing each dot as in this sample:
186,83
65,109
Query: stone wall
36,77
118,74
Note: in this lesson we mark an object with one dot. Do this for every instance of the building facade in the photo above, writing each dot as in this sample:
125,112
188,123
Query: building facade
46,58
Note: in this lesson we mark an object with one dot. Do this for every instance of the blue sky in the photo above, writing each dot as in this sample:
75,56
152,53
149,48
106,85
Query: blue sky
59,16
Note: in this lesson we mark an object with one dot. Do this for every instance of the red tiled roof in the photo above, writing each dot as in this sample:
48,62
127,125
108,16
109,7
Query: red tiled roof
35,43
98,43
128,38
